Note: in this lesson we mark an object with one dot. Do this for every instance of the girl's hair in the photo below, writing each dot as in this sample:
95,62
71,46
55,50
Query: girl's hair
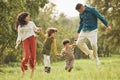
50,31
65,41
21,19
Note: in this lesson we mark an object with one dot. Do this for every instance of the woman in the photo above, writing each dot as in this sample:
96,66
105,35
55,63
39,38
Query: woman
26,33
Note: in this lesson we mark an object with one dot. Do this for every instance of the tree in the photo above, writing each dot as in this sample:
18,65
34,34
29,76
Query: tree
9,9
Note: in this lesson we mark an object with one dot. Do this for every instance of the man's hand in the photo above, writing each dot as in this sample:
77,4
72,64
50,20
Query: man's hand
108,28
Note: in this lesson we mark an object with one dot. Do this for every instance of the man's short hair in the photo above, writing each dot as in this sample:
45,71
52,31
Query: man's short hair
65,41
78,6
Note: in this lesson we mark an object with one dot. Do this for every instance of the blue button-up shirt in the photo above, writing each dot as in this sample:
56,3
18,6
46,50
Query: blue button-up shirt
88,19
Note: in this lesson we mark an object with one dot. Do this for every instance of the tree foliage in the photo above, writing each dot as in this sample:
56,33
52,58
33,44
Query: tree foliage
9,9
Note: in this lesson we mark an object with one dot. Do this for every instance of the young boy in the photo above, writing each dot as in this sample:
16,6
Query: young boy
49,41
68,52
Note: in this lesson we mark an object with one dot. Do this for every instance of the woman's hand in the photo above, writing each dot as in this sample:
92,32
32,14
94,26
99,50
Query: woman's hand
16,47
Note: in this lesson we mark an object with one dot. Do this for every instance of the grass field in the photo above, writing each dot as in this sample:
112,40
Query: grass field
84,69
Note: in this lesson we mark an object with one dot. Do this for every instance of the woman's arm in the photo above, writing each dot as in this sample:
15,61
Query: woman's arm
35,28
18,41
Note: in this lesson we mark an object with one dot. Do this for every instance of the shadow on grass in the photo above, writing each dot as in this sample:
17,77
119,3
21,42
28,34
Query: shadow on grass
78,68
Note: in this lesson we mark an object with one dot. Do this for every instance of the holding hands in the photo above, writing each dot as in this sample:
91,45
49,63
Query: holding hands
39,29
59,55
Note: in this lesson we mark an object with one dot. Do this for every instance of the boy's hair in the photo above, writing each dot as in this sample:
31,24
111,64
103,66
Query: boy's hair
65,41
50,31
78,6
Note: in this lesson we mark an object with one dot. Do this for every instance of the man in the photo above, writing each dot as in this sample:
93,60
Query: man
88,29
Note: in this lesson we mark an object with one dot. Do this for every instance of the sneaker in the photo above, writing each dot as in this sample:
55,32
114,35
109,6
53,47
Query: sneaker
46,69
97,61
91,54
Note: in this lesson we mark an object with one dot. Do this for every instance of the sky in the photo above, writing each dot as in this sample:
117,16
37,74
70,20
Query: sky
67,6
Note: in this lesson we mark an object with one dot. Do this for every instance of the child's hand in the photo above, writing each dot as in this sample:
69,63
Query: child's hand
16,47
58,56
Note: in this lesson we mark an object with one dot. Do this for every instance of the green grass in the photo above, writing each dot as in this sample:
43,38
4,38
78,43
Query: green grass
84,69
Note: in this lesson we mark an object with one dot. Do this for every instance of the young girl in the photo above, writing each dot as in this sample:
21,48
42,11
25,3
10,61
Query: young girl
26,33
50,40
68,52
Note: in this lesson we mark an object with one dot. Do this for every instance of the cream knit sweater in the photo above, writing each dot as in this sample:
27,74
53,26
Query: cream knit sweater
26,31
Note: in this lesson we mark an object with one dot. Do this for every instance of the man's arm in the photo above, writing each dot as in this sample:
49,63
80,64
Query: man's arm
104,21
79,29
80,25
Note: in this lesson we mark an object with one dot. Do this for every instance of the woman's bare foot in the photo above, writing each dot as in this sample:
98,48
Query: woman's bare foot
32,72
22,74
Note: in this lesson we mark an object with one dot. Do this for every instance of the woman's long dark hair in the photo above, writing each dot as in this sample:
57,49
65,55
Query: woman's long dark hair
21,20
